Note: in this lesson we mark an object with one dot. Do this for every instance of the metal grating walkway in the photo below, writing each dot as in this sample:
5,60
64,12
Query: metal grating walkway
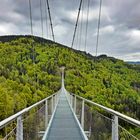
64,125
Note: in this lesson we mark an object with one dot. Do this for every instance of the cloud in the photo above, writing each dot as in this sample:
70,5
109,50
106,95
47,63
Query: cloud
60,30
7,28
93,14
119,30
124,11
134,35
3,30
130,56
107,30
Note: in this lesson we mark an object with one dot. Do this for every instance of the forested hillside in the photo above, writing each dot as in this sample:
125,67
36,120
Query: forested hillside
28,75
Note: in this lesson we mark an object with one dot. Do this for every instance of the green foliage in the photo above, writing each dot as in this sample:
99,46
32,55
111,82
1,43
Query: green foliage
28,75
107,81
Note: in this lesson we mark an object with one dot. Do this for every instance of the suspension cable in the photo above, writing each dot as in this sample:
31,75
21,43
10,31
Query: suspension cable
81,26
76,38
31,23
78,32
87,26
98,30
97,41
46,19
33,46
49,12
41,14
76,23
76,44
31,26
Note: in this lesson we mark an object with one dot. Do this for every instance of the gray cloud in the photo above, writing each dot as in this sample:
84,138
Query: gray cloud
120,28
124,11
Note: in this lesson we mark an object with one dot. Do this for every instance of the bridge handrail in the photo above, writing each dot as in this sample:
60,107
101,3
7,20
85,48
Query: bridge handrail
15,116
111,111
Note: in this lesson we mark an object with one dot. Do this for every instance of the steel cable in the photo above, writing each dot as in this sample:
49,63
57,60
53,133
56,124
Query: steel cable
41,14
49,13
98,30
87,25
77,20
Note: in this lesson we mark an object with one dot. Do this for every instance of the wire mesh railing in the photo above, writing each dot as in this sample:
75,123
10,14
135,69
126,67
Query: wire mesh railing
31,122
11,135
100,129
126,135
102,123
97,121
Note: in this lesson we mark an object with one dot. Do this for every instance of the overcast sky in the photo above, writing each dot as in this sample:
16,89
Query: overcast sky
119,31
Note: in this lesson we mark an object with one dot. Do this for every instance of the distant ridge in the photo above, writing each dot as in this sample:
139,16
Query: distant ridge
132,62
8,38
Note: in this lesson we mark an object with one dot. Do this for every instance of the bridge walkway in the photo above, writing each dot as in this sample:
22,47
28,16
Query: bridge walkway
64,125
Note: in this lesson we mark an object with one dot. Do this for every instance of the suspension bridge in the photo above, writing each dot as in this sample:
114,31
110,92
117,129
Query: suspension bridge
65,115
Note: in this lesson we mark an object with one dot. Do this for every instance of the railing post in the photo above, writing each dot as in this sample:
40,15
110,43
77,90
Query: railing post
72,101
69,97
115,135
46,113
75,104
19,130
82,114
58,95
54,100
52,105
